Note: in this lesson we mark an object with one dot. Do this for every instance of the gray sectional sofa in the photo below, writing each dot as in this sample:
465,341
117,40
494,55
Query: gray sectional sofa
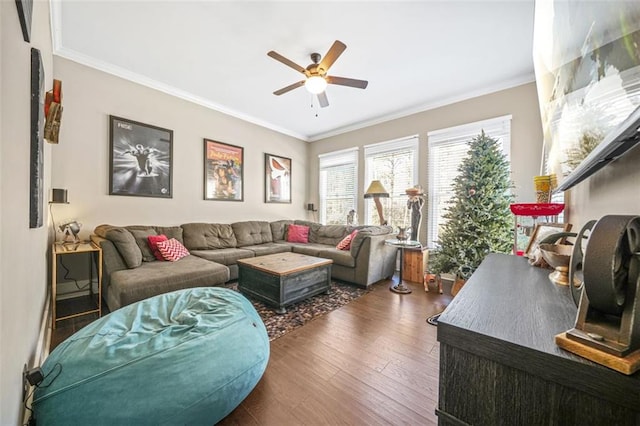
131,272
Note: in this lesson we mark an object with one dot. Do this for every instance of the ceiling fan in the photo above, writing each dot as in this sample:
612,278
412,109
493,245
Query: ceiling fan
316,73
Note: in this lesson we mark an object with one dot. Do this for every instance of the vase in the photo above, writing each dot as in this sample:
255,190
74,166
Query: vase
403,233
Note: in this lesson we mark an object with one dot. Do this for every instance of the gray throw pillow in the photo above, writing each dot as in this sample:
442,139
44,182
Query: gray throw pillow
142,240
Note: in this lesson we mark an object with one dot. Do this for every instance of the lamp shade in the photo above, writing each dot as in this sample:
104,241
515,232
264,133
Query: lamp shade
376,190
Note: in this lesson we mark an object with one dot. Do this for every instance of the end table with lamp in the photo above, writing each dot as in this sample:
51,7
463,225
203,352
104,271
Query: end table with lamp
402,245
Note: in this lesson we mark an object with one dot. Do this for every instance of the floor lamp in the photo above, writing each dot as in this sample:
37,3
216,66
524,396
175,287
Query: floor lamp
375,191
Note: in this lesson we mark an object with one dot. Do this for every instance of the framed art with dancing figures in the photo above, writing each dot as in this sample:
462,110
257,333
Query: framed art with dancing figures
140,159
223,171
277,179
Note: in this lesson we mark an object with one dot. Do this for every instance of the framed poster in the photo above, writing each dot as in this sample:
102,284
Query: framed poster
223,171
140,159
542,231
277,179
36,160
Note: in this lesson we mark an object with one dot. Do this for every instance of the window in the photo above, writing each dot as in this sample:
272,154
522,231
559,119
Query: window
447,148
395,165
338,185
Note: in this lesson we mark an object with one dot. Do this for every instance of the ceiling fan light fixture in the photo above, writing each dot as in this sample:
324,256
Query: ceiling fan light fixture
315,84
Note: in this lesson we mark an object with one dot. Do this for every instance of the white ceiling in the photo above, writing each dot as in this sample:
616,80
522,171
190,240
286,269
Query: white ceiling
416,55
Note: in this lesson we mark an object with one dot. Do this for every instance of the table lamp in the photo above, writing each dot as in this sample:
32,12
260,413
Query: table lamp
375,191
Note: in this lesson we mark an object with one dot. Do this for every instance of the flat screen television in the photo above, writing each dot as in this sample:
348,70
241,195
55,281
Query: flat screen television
587,66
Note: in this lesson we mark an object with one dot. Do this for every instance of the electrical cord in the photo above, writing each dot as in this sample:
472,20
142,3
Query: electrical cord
53,223
32,417
68,278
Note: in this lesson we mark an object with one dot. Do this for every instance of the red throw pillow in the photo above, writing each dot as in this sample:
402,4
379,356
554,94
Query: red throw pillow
345,244
298,234
172,250
153,241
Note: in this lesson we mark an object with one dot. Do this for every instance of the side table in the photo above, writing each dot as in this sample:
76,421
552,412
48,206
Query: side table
93,305
402,245
415,264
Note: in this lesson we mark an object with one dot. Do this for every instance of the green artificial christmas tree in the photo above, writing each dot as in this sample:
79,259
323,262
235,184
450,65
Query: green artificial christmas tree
479,221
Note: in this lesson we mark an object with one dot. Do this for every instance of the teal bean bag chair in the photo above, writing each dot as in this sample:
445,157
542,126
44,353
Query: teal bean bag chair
186,357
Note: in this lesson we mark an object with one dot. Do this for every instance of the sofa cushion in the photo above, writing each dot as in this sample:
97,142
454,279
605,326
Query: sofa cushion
298,234
204,236
268,248
228,256
141,235
279,228
172,250
171,232
310,249
339,257
124,242
330,234
250,233
152,278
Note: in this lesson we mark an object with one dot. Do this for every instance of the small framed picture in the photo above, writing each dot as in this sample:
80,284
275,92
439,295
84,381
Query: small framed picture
542,231
223,171
25,12
140,159
277,179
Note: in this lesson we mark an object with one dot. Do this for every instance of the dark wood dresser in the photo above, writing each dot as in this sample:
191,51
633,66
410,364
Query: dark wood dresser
499,364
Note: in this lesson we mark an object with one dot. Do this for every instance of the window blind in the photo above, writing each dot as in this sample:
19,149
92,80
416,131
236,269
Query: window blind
338,185
447,149
395,165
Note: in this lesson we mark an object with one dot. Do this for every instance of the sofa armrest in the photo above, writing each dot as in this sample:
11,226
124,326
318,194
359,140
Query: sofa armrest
375,260
112,261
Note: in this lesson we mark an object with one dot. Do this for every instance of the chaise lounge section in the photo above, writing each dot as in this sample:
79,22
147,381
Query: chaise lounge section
131,272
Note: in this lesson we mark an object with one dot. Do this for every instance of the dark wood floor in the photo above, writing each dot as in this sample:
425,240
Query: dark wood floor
373,361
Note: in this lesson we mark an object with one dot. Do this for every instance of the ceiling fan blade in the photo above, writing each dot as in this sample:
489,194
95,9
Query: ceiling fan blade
322,99
351,82
289,88
278,57
335,50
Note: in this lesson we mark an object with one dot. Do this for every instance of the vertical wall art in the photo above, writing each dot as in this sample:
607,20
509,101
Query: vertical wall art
223,171
277,179
25,11
36,163
53,112
140,159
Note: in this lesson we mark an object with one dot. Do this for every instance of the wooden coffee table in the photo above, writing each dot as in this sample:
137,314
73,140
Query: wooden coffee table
283,278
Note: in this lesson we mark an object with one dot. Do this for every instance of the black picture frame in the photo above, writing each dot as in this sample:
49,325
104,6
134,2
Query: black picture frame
223,171
140,159
25,12
277,179
36,162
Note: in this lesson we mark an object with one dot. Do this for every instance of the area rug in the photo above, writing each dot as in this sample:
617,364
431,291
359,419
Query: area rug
433,319
302,312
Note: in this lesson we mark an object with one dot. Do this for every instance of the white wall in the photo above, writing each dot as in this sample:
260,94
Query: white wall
23,251
81,161
526,137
